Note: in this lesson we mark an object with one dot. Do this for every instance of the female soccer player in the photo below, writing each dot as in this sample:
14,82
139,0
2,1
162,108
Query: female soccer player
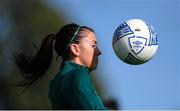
71,88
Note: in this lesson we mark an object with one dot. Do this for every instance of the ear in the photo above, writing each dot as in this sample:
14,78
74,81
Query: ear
75,49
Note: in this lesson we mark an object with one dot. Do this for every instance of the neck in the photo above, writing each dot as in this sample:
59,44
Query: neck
77,61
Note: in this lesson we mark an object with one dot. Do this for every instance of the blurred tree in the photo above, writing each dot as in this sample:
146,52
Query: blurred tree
23,22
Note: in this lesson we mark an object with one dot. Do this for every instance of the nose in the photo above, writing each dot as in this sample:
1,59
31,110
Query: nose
98,51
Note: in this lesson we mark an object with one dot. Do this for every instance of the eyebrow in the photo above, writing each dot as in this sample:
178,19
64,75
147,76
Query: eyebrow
94,41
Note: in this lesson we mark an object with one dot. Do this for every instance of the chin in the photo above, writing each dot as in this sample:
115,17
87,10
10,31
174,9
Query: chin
93,68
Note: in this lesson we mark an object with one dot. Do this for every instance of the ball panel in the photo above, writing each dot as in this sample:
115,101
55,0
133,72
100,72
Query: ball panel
131,59
122,51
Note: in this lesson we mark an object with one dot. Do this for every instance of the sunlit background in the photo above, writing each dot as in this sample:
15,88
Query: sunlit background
153,85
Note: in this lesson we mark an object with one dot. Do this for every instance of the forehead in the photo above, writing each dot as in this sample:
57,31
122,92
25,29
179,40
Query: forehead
90,36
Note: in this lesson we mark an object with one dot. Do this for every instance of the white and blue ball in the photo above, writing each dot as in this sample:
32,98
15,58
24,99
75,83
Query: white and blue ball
135,42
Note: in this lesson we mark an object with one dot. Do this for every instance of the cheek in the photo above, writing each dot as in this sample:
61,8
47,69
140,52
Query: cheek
87,56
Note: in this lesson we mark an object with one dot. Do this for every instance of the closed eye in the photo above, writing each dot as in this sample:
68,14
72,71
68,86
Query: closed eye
94,46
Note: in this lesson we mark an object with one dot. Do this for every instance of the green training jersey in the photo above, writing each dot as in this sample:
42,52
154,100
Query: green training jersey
72,88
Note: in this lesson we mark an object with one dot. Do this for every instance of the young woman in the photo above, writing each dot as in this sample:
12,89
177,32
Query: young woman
71,88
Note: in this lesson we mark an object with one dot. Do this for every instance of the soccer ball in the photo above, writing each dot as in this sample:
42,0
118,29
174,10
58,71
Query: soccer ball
135,42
